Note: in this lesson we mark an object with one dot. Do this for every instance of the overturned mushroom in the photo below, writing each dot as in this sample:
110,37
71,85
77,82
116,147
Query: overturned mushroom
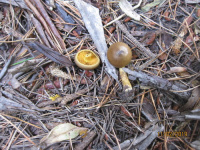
87,59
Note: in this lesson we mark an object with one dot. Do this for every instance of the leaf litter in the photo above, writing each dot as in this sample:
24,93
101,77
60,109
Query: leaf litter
47,102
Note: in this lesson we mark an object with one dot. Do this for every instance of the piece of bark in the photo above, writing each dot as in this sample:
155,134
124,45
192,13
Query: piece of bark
154,133
160,83
138,33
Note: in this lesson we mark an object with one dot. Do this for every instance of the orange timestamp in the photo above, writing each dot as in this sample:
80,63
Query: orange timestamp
173,134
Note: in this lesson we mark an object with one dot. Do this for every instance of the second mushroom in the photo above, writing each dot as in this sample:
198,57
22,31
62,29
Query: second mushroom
119,55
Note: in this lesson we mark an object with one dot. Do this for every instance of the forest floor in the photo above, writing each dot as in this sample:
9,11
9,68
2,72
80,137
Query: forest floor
47,101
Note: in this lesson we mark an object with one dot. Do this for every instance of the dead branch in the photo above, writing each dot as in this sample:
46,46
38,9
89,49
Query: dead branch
159,83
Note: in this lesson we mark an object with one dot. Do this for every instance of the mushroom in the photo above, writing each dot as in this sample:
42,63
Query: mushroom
87,59
119,55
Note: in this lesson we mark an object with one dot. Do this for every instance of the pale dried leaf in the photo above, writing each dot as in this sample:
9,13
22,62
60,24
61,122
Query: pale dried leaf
65,131
127,8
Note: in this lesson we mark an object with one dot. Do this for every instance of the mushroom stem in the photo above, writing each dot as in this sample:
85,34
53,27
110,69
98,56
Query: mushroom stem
125,81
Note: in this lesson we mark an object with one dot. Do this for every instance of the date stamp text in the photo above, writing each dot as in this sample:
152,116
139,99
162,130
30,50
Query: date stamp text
173,134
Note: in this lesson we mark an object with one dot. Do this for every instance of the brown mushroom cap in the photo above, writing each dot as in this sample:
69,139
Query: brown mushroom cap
87,59
119,54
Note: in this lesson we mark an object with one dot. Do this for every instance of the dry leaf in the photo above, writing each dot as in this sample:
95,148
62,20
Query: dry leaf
128,10
15,83
88,73
65,131
54,97
196,29
83,133
154,3
198,12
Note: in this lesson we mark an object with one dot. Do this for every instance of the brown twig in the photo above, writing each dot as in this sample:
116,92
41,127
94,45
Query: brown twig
39,29
43,12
